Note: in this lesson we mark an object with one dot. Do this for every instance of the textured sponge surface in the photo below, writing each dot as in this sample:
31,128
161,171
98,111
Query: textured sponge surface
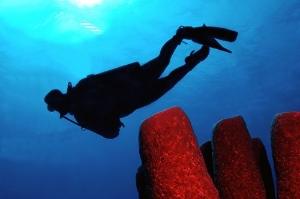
236,169
285,138
172,160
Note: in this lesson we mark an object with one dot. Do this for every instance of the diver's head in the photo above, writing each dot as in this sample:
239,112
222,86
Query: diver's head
54,99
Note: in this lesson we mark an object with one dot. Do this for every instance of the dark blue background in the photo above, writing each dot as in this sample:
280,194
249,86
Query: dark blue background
44,45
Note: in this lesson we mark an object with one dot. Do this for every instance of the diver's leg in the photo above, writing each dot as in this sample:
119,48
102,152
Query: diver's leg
164,84
153,69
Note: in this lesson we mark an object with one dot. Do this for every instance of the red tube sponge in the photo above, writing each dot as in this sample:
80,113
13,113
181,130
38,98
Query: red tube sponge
171,158
236,172
285,137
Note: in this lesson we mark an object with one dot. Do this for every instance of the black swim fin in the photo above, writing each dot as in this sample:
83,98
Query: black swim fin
211,42
207,35
216,32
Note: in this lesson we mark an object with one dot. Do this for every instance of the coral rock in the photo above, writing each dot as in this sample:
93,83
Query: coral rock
171,158
236,172
285,137
206,150
141,183
264,166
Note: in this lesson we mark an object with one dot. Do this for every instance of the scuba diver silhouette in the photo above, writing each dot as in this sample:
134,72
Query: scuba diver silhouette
98,101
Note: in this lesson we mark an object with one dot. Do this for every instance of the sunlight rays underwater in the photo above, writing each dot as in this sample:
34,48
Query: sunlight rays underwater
63,21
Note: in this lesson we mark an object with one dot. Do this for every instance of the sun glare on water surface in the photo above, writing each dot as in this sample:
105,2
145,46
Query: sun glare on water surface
87,3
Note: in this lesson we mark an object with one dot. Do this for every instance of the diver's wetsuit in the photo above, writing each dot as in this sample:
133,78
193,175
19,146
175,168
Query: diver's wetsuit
98,101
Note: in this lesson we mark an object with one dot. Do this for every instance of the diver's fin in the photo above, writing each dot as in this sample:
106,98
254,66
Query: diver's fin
211,42
216,32
207,35
195,57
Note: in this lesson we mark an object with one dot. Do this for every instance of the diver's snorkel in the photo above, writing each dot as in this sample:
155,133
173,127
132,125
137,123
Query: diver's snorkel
207,35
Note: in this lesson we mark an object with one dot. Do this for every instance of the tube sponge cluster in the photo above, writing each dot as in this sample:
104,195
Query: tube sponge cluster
232,165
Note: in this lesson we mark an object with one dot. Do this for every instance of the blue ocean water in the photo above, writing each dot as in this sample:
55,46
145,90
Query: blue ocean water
46,44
